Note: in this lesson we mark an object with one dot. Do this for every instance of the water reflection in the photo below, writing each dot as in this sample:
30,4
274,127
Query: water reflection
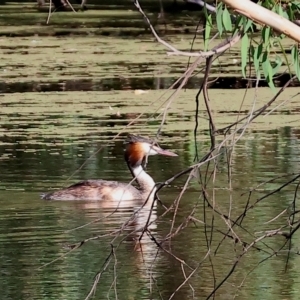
124,227
146,83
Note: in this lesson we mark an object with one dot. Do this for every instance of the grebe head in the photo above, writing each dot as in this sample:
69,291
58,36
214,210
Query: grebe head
139,148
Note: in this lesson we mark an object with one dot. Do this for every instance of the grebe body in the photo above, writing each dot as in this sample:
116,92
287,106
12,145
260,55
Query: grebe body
136,153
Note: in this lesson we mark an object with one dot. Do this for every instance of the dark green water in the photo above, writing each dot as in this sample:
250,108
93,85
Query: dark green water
35,232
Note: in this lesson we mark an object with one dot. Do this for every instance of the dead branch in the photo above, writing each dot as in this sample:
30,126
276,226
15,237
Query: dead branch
223,47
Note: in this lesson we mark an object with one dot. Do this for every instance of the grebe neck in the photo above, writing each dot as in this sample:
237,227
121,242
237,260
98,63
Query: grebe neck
144,180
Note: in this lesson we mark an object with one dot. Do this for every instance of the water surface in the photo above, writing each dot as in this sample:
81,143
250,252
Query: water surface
35,232
63,102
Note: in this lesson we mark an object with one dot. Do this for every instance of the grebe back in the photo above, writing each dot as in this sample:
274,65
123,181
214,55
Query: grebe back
137,151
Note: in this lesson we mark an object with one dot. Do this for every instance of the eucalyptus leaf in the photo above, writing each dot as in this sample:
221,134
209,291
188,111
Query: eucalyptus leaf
247,24
266,34
227,20
256,59
244,53
219,18
208,27
295,60
278,64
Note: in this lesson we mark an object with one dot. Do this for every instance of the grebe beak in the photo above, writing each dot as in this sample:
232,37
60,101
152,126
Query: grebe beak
164,152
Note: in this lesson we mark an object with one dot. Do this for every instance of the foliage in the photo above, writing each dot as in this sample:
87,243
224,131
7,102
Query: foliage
261,46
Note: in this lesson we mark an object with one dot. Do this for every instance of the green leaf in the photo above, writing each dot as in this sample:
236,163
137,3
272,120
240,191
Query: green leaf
238,25
247,24
291,12
251,52
265,64
227,20
256,59
244,53
266,34
269,4
258,52
208,26
295,59
295,5
252,49
282,12
268,70
285,57
219,18
278,63
270,78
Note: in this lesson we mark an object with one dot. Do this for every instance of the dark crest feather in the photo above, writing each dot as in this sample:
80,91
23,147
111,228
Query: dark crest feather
132,138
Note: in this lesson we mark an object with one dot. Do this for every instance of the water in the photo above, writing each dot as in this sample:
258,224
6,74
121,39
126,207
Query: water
35,232
58,124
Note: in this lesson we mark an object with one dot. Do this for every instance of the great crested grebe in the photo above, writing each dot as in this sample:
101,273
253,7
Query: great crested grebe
136,153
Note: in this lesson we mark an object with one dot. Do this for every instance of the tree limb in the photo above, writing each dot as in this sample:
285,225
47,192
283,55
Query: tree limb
265,16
